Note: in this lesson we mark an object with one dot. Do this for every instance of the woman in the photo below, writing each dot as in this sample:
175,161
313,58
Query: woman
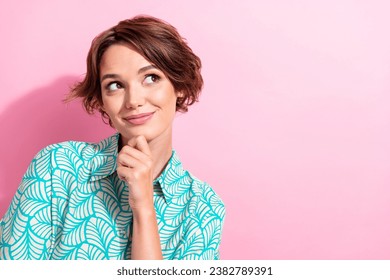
127,197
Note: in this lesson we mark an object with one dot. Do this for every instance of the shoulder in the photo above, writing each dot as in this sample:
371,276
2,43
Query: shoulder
61,153
81,148
71,156
72,147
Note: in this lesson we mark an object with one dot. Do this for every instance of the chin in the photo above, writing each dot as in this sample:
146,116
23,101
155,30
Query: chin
130,134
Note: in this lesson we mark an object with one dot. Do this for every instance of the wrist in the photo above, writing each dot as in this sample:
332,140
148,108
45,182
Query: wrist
144,212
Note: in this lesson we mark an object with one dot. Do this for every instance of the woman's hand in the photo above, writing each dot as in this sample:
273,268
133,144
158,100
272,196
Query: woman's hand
135,167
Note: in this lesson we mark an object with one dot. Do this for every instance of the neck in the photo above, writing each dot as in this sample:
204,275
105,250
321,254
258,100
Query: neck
161,149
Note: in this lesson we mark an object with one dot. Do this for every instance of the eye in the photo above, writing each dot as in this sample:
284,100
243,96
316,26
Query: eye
113,86
151,79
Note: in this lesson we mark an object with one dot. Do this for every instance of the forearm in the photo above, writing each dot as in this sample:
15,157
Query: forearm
145,236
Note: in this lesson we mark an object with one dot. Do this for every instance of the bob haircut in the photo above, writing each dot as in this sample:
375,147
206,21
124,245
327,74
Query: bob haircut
160,44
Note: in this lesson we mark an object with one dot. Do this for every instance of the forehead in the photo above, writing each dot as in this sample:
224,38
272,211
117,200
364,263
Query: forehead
121,57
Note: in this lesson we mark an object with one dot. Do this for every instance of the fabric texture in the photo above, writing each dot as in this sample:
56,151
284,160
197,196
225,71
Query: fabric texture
72,205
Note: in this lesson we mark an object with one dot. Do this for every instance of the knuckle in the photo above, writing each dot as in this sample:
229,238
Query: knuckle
143,169
149,163
125,150
123,174
136,173
119,160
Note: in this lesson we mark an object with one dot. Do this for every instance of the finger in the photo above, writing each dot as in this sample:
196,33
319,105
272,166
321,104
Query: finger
133,152
132,142
123,173
139,142
143,145
126,160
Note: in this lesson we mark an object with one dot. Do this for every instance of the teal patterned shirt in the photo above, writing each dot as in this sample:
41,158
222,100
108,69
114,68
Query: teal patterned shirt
72,205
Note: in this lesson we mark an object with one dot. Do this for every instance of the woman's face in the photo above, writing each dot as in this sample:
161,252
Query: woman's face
138,97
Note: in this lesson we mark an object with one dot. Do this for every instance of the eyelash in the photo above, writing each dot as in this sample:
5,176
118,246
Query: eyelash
119,85
114,82
153,76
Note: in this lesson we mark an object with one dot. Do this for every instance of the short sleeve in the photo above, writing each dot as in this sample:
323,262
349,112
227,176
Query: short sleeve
25,230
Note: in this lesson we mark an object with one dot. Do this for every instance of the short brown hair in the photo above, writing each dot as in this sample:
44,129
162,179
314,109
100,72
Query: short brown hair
160,44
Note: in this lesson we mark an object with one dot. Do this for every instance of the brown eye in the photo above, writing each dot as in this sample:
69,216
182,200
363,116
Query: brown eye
152,78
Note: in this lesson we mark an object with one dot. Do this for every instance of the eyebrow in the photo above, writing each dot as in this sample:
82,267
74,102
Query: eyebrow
140,71
146,68
109,76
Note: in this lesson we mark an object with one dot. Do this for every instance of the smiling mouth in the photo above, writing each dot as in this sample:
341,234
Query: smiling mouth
140,118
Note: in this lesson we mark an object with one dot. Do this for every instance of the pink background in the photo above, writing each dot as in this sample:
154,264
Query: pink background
293,127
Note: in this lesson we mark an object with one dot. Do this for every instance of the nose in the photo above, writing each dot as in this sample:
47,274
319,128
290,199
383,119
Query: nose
134,98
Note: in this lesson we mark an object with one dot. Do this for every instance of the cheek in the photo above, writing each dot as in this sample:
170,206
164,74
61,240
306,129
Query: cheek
165,99
171,104
110,105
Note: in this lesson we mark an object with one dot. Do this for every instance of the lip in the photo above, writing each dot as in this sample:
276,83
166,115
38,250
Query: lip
140,118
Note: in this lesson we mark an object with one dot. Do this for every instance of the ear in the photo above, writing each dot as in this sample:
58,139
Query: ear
180,94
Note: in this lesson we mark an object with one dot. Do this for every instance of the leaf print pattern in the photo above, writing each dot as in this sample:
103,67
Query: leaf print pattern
67,161
66,252
13,228
90,252
40,224
29,247
99,233
72,205
73,231
62,183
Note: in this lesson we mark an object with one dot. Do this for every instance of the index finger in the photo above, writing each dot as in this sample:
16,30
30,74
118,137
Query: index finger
141,144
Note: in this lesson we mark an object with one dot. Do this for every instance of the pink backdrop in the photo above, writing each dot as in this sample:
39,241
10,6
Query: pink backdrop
293,127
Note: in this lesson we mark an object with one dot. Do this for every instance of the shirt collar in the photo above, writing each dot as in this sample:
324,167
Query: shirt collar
101,163
174,179
101,157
